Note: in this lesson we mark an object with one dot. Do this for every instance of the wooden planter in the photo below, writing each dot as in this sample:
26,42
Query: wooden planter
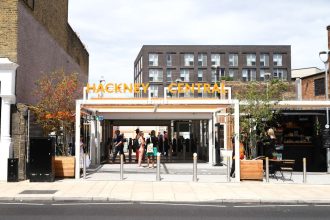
252,170
64,166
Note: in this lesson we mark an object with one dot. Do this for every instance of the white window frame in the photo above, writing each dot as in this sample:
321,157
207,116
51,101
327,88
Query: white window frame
277,59
231,73
281,74
251,59
153,59
156,75
188,59
215,59
169,75
184,75
168,61
233,59
202,59
264,58
153,90
249,74
200,74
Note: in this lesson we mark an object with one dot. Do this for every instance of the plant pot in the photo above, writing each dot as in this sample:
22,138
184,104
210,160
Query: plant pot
64,166
251,170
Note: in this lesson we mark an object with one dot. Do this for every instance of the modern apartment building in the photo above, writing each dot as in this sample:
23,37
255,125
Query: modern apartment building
160,65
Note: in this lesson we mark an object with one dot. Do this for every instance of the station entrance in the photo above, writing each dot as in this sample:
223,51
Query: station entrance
193,125
177,139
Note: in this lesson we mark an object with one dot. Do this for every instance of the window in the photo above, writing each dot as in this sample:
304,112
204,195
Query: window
217,74
233,59
262,75
202,59
280,74
155,75
277,59
168,59
231,73
184,75
153,90
250,59
169,75
215,59
249,75
153,59
200,75
319,87
264,59
188,59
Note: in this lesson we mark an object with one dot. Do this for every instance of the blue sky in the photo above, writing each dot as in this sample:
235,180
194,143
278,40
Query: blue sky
114,31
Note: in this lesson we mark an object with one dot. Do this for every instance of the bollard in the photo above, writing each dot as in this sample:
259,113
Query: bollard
304,171
121,166
158,167
228,169
267,169
84,166
195,167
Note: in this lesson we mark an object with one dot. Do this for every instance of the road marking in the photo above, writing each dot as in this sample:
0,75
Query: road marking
181,204
323,205
93,203
262,206
20,203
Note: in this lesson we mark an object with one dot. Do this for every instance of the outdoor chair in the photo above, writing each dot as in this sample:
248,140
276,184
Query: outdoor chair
287,167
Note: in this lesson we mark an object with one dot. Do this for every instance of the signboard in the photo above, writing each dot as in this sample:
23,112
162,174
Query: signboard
326,138
173,88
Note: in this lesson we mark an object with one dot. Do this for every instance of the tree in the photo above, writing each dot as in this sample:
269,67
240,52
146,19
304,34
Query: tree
258,102
56,94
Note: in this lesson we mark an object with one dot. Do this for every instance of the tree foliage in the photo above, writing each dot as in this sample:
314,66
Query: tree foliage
56,94
258,109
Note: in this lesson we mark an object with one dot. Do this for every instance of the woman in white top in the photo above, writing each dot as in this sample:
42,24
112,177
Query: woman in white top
141,148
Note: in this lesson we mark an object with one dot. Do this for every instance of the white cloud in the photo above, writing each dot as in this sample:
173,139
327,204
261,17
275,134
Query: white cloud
114,31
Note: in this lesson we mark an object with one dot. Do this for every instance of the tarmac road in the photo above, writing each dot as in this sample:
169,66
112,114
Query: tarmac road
159,211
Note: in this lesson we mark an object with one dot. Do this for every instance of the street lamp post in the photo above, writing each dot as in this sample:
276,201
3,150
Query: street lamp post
324,56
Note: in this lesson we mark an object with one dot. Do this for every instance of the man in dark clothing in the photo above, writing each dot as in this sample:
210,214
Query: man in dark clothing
119,146
166,144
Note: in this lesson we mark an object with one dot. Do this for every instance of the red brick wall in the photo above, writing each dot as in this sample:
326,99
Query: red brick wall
308,88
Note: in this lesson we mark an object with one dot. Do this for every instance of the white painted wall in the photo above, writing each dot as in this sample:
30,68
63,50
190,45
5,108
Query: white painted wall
7,94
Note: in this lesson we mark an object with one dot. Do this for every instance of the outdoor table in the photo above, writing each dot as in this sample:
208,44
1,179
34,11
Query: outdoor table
281,166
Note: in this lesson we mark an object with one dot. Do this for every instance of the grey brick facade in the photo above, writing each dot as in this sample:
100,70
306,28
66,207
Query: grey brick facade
251,63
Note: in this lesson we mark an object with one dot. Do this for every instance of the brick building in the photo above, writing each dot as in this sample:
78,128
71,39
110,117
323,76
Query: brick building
312,87
37,37
160,65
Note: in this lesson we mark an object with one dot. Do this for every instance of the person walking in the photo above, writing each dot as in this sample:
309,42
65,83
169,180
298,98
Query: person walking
119,146
141,142
130,149
136,144
166,144
152,149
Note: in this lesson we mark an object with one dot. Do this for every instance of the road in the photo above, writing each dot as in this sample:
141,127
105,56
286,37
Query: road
160,211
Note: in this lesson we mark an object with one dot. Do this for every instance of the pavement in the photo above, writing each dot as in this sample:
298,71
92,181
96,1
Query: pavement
103,184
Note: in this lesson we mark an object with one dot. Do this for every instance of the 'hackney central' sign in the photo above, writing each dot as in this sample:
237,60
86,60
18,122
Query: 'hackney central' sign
172,88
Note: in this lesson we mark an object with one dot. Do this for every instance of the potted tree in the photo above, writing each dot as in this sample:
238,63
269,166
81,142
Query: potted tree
54,113
258,101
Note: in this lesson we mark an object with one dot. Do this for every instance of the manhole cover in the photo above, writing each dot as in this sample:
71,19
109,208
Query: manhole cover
38,192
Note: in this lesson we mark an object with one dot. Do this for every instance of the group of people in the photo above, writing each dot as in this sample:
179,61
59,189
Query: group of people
143,147
267,144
